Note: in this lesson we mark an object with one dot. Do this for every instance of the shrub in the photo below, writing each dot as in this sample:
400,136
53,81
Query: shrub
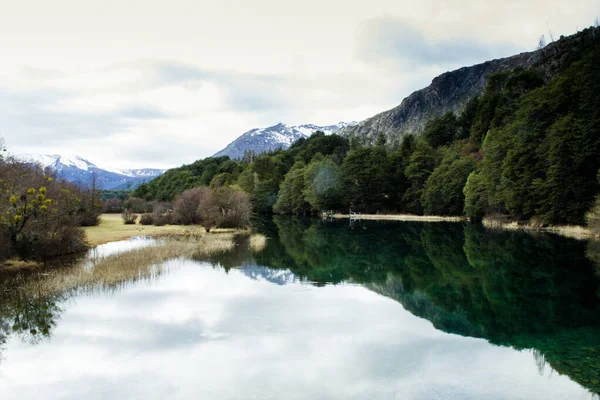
137,205
224,207
146,219
186,204
113,206
40,215
235,208
592,218
129,218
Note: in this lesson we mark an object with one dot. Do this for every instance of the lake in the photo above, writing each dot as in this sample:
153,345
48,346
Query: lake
322,310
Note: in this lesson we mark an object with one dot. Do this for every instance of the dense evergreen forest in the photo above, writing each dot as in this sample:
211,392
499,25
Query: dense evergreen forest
529,147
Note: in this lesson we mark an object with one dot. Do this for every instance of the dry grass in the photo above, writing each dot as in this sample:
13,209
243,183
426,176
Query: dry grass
130,266
404,217
570,231
15,264
258,242
113,229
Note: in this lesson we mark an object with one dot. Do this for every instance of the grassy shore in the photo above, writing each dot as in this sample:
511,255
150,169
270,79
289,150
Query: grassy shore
404,217
112,228
571,231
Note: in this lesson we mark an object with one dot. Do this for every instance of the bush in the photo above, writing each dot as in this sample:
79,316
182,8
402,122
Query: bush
129,218
113,206
224,207
146,219
40,215
235,208
137,205
186,205
592,218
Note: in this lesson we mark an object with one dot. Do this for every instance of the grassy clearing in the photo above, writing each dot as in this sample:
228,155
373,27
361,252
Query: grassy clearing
404,217
112,229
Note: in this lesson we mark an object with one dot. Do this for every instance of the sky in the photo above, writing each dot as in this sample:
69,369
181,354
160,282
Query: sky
132,84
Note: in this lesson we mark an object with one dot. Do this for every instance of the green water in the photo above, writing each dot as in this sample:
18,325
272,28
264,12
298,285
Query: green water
377,310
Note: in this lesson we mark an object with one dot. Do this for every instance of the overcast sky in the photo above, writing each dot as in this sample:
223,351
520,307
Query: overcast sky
161,83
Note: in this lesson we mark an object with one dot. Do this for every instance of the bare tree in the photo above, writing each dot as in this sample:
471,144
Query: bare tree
186,204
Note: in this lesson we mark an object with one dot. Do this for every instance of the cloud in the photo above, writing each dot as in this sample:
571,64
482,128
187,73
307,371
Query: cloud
393,39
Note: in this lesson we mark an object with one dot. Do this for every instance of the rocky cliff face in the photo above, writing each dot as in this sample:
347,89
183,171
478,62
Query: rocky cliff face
451,90
447,92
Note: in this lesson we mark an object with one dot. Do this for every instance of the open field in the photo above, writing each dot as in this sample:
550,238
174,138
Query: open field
404,217
112,229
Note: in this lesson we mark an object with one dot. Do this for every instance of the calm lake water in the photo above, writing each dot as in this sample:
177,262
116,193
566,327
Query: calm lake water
378,310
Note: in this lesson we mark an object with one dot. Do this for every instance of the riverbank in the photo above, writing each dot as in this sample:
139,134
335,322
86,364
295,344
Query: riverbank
402,217
112,229
570,231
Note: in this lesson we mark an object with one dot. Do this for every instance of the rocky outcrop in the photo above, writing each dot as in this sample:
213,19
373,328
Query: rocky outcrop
451,90
447,92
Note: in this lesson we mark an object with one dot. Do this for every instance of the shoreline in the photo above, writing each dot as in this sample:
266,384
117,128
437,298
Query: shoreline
403,217
577,232
570,231
112,229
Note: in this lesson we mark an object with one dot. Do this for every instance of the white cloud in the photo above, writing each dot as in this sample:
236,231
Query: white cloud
83,77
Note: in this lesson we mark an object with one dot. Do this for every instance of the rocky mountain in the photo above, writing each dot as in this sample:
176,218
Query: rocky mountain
447,92
80,171
280,136
276,276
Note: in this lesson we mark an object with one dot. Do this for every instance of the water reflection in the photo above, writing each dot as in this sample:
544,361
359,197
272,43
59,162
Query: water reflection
196,322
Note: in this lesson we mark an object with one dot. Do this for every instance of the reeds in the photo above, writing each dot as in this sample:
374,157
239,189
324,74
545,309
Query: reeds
130,266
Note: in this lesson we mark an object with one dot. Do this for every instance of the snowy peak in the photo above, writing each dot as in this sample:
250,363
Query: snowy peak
280,136
80,171
58,162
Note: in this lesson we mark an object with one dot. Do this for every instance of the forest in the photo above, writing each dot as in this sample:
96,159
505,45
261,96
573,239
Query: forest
528,148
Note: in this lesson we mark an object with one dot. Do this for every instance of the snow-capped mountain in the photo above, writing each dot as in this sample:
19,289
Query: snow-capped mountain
276,276
280,136
79,171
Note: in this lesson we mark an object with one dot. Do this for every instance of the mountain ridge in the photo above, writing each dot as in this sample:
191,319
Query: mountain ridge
278,136
80,171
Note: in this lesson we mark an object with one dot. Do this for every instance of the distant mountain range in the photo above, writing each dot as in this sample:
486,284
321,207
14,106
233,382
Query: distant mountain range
280,136
79,171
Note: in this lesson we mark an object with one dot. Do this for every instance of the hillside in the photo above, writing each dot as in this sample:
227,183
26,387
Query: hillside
527,148
450,91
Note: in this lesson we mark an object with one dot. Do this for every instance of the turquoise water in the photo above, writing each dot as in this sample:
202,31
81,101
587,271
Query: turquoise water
326,311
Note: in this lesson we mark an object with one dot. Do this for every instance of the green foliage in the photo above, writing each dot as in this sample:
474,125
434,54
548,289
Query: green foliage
291,192
420,166
443,192
175,181
475,196
323,184
367,173
442,130
40,215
